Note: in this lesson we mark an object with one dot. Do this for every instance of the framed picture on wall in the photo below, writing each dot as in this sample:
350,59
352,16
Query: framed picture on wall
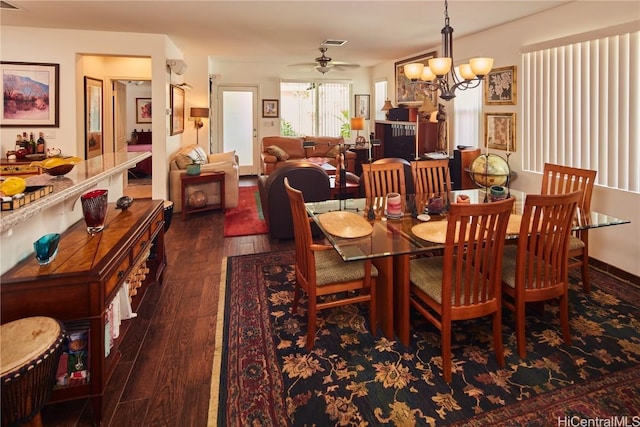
177,110
143,110
30,94
93,117
409,93
362,104
500,131
500,86
270,108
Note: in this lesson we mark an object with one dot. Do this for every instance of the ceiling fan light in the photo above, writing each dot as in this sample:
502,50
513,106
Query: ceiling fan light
323,68
440,66
427,75
466,72
481,66
413,71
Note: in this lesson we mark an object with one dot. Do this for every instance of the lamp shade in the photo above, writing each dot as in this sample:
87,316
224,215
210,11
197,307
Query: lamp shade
413,71
387,106
357,123
199,112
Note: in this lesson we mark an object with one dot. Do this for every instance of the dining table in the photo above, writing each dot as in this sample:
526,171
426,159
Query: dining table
361,228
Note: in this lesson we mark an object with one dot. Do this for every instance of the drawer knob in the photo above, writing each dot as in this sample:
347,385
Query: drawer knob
120,274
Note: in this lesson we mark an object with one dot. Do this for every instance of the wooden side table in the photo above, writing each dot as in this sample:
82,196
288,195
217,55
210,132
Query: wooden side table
204,177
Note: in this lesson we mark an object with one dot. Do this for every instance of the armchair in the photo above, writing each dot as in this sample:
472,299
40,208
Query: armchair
226,162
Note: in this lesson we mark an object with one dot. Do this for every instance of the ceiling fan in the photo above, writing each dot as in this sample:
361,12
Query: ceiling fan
324,63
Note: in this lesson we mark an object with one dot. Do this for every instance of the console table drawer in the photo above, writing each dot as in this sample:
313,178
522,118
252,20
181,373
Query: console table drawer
117,277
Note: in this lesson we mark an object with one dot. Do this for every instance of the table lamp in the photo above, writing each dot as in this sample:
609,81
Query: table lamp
199,114
357,124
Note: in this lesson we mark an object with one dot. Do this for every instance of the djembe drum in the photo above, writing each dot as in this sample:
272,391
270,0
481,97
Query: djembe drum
30,350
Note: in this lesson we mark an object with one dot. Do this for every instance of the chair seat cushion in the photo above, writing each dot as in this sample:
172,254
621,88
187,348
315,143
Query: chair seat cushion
426,275
330,268
575,243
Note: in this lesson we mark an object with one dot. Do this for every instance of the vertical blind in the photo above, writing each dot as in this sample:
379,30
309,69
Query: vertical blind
309,108
582,108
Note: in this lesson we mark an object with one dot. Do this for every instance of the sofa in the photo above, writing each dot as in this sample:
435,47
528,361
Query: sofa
227,162
307,177
280,150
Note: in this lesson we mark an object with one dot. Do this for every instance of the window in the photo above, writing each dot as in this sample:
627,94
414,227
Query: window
581,108
311,108
380,97
467,116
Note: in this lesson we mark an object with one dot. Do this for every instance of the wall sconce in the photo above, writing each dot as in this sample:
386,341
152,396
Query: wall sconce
199,114
357,124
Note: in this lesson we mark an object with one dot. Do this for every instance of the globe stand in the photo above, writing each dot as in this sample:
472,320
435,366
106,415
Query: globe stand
508,177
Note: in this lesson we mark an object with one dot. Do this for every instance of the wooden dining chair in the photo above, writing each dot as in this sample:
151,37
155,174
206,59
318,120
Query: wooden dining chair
559,179
536,270
383,178
320,272
431,176
465,282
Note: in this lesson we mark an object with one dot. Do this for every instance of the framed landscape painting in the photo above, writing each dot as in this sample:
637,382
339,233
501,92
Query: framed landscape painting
30,94
177,110
410,93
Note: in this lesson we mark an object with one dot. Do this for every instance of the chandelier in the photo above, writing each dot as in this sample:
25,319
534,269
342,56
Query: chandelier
440,75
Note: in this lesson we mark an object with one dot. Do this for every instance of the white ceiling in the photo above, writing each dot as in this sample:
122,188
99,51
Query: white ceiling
281,32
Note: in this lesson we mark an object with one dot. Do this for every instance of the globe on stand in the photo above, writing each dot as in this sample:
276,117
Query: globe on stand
489,170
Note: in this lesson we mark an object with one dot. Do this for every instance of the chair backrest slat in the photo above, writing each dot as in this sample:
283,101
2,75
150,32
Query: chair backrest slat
305,261
473,252
381,179
558,179
431,176
544,239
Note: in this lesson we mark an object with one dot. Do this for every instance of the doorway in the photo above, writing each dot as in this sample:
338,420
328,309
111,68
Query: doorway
237,125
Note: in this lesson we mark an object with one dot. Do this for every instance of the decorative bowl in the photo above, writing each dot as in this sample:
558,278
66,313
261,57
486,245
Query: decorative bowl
59,170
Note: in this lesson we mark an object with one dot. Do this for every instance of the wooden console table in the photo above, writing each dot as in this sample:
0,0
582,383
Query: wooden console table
84,279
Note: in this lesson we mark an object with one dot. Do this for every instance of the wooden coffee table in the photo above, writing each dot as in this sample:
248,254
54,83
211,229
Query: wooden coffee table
204,177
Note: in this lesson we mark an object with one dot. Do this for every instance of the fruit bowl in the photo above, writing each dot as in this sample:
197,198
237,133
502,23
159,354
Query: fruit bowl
59,170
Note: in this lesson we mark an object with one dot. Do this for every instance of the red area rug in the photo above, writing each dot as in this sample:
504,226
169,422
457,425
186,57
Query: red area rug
247,218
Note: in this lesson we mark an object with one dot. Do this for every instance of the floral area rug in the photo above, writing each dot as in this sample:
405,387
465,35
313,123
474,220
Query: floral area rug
354,378
247,218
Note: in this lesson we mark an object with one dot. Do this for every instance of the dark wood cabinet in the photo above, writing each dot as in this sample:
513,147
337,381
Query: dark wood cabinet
398,139
84,279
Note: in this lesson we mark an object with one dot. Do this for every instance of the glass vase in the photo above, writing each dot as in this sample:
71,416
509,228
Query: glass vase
94,209
46,248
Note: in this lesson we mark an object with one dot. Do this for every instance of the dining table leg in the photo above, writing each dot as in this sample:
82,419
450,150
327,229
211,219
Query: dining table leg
384,295
401,287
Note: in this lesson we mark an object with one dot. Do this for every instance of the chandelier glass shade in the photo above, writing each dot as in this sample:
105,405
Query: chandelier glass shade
439,75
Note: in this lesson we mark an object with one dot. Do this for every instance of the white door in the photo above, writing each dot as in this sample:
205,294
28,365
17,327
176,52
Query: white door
119,116
237,125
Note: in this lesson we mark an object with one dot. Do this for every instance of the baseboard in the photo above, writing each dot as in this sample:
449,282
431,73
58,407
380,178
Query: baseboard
615,271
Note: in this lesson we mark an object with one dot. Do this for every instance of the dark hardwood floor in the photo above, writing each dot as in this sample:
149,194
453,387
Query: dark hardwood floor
164,375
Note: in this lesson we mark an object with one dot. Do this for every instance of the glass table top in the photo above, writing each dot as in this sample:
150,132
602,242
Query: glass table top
395,236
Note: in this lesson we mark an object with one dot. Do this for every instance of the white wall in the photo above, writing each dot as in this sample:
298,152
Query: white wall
619,245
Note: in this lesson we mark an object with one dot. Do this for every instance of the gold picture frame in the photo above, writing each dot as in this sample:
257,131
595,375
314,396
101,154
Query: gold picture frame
413,93
500,131
93,116
177,110
500,86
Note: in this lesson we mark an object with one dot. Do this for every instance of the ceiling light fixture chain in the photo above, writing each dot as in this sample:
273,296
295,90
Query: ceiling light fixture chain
440,74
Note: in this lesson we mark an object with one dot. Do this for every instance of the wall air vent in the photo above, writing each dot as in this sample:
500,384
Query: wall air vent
333,42
5,5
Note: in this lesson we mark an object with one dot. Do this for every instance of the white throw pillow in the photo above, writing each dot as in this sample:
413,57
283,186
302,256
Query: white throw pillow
228,157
